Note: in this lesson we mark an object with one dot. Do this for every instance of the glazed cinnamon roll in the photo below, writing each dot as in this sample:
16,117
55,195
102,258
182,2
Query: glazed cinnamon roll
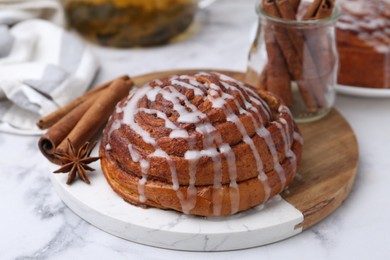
202,144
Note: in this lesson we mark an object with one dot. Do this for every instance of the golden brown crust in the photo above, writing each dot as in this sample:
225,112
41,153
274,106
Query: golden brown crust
159,168
161,195
243,123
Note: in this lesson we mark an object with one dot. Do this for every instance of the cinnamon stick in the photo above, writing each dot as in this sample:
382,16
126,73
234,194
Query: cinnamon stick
307,65
81,123
295,5
286,11
318,41
263,81
326,9
319,9
278,79
292,59
59,131
306,55
50,119
95,117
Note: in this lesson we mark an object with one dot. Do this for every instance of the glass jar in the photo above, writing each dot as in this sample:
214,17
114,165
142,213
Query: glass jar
129,23
297,61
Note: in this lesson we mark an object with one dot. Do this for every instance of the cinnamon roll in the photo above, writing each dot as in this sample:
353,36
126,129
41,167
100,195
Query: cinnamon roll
202,144
363,42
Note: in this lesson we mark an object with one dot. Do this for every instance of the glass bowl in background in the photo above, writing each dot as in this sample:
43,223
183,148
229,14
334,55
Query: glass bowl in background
130,23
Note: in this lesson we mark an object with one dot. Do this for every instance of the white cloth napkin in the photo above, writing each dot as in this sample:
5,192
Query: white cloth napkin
13,11
42,67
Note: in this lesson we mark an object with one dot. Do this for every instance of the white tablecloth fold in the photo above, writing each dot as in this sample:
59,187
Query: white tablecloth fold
14,11
42,66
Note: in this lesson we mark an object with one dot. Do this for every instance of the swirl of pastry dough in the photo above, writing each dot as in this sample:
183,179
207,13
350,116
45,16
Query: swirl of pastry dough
202,144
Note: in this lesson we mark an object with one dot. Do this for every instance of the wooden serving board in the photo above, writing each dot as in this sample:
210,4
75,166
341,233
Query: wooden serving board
328,169
324,180
329,162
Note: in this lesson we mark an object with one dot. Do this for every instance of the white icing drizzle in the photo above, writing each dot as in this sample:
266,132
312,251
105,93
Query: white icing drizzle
108,147
210,135
174,97
286,140
283,133
262,132
265,134
213,145
135,157
114,126
298,137
230,116
176,131
286,135
186,203
141,183
196,90
131,110
203,74
152,94
158,82
290,154
118,109
251,93
189,203
227,151
128,118
161,153
185,116
192,81
259,163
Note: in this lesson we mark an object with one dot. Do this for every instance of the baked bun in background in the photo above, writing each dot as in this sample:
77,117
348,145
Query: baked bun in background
363,42
202,144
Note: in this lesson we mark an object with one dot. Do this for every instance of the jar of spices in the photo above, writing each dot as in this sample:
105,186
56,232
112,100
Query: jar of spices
296,57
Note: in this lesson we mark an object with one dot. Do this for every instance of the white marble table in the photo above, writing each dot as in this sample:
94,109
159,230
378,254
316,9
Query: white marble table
35,224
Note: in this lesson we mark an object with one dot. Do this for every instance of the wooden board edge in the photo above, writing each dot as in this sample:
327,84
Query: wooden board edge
315,212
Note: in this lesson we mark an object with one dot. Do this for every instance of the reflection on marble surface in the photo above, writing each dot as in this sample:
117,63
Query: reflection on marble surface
35,224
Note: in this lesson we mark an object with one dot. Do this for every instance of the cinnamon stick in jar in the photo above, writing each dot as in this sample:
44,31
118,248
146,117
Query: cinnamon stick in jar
309,72
295,5
291,56
300,54
319,9
278,79
318,41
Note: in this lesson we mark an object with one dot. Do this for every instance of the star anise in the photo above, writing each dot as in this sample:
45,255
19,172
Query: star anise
75,162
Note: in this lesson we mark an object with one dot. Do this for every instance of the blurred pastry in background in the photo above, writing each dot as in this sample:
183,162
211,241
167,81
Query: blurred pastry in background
363,41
